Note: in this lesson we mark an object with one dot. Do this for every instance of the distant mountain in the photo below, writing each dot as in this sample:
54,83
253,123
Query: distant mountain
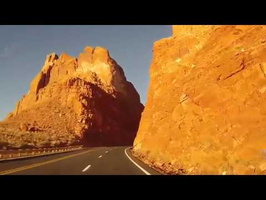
76,100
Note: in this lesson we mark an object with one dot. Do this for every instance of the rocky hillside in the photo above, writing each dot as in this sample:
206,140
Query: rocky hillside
206,110
85,99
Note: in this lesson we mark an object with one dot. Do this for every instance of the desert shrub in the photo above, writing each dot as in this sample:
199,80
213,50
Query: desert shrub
3,145
14,138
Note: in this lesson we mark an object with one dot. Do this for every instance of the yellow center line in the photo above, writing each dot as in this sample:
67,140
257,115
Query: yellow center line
10,171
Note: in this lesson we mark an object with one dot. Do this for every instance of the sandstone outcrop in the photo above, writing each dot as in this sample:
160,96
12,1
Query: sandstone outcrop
87,97
206,110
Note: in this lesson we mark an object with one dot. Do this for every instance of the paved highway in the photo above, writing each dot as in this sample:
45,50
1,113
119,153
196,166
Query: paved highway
93,161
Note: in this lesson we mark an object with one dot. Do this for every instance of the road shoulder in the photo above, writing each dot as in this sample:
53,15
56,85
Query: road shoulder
139,164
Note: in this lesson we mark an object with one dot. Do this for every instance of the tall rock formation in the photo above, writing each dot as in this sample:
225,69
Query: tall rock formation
88,97
206,110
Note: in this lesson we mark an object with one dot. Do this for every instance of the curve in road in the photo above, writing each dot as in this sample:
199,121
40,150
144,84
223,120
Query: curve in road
93,161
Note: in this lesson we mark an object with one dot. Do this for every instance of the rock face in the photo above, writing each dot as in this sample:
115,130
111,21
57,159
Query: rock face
206,110
87,96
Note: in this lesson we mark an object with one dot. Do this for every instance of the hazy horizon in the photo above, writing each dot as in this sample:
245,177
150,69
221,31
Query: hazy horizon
24,49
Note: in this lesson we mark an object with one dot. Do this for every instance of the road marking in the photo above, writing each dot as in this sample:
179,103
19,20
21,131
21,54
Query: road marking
84,170
100,156
106,152
39,164
147,173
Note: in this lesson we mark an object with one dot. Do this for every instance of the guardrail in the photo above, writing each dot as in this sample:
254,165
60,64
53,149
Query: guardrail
18,154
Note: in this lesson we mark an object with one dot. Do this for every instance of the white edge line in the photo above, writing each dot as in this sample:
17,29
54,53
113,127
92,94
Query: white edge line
84,170
100,156
147,173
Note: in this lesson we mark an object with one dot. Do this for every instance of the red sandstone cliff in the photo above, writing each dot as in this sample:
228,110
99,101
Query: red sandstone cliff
206,110
87,98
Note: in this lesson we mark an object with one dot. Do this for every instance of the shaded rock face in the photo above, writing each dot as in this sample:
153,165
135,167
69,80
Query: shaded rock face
206,110
87,96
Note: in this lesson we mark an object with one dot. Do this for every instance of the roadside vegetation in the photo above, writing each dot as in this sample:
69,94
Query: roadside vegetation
17,139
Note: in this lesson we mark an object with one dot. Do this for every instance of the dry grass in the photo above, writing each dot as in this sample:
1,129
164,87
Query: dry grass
13,138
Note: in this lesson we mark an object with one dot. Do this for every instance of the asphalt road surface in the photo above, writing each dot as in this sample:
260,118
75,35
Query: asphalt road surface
92,161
